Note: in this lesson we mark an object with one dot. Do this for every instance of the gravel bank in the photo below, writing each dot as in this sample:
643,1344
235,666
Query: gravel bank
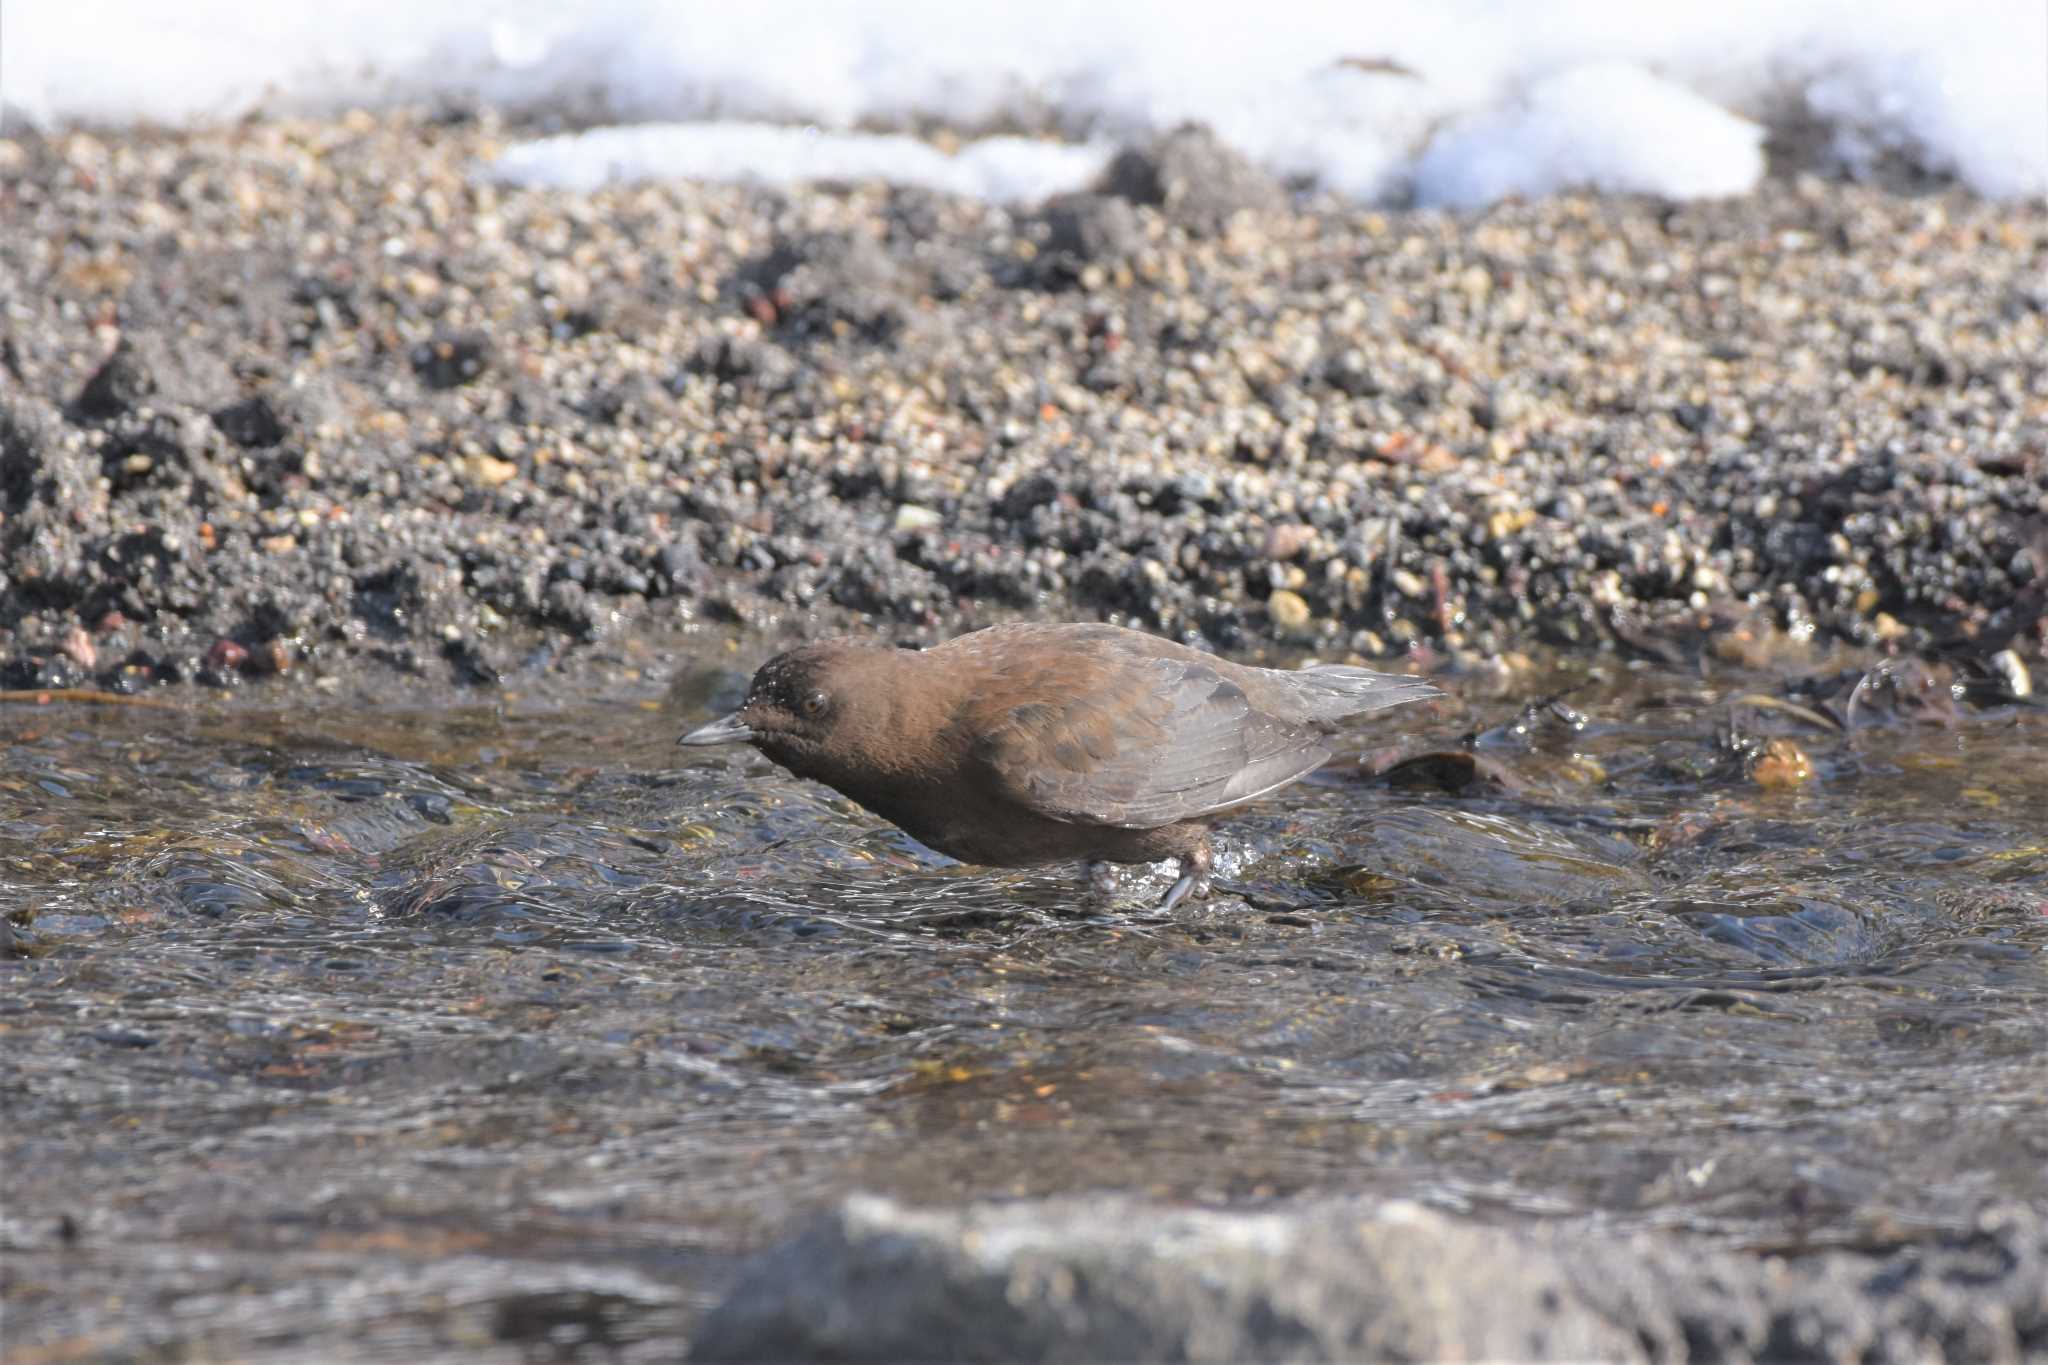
289,397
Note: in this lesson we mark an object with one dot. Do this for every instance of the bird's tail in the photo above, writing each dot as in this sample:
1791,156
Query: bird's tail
1334,691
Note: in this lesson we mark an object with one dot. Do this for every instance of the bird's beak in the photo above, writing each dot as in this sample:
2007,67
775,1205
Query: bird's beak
725,730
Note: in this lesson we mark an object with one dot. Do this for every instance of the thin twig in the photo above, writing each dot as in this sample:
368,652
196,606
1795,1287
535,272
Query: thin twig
84,696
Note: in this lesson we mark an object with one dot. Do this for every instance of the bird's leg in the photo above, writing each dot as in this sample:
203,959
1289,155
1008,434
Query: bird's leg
1103,879
1194,877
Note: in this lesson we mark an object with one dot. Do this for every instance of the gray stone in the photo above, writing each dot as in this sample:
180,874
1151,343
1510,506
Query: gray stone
1114,1279
1194,178
1084,230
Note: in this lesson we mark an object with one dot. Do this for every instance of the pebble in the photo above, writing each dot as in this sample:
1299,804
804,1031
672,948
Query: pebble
1289,539
1781,766
1290,611
79,648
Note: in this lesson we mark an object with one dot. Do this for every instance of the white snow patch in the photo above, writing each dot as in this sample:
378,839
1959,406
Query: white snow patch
1354,95
1605,126
995,168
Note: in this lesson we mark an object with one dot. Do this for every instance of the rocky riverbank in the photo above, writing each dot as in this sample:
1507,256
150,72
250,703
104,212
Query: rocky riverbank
295,397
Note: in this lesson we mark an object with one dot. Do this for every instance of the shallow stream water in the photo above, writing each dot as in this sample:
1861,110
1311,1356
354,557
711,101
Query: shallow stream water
376,1030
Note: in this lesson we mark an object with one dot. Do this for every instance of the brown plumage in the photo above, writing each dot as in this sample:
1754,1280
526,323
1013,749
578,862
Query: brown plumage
1028,744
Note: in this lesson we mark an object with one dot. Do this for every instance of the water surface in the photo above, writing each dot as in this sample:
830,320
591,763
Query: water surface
374,1030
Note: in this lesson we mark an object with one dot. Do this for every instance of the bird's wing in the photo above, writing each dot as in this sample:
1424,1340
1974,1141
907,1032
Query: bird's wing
1154,741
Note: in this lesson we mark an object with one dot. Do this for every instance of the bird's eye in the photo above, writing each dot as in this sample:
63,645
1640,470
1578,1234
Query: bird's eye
815,704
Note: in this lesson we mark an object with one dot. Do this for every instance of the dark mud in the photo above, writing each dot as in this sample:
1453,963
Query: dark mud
311,398
509,1031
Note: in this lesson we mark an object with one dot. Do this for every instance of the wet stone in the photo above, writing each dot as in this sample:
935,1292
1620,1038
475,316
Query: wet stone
116,1036
472,664
58,672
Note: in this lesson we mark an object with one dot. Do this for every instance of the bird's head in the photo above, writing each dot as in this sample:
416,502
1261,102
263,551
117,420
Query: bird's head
814,710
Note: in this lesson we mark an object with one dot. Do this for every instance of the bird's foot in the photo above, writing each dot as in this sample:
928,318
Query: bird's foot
1194,879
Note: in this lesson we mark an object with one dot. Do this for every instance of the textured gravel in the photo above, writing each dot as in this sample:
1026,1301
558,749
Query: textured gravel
292,396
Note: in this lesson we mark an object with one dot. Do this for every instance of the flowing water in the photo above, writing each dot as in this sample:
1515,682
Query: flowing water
374,1030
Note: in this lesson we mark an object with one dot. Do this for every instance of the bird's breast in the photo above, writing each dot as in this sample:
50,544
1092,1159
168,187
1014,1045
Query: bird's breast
975,826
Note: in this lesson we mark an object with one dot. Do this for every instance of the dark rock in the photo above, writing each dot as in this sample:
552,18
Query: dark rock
227,656
113,1035
118,386
828,284
682,565
1110,373
472,667
446,362
760,365
130,678
18,461
1694,417
323,304
388,598
1194,179
950,274
141,449
568,604
58,672
252,424
1080,231
1025,496
614,402
915,214
577,322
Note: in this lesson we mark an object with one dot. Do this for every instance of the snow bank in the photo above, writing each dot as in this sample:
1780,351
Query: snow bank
1460,100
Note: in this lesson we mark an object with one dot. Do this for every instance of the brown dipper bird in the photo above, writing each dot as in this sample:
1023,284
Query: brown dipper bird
1027,744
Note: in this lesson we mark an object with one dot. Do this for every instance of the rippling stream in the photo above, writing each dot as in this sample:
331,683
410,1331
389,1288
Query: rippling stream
361,1029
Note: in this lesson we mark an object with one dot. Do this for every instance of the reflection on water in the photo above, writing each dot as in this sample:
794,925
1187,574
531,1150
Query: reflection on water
404,1032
